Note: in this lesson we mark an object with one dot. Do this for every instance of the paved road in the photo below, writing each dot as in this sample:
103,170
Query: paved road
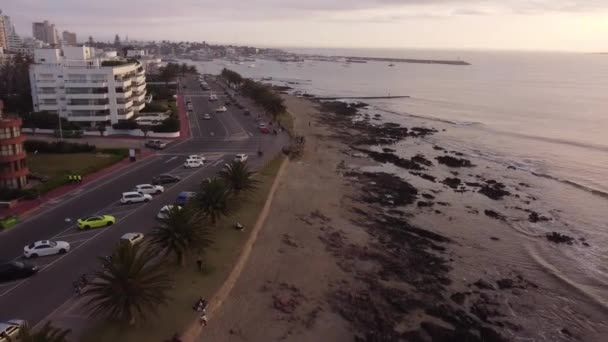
219,139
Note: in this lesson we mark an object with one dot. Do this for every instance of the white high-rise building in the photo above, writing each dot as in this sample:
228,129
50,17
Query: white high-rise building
5,28
82,87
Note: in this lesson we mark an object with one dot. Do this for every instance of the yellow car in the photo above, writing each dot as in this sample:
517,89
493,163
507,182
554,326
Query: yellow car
96,221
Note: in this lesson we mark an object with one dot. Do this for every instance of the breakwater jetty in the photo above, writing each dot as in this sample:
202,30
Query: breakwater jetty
363,97
405,60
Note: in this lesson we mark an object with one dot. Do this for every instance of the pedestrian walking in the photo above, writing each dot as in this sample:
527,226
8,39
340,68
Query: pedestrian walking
199,263
203,319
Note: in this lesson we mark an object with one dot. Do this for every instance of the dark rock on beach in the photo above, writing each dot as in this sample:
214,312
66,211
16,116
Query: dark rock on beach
454,162
484,285
425,176
383,157
495,215
559,238
422,204
535,217
386,189
494,190
452,182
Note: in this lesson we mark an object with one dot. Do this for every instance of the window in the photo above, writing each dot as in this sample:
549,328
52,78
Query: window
6,150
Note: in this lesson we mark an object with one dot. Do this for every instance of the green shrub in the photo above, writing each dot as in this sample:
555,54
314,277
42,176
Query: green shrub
126,124
170,124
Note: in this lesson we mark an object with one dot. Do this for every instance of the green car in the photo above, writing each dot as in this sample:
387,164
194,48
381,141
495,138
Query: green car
96,221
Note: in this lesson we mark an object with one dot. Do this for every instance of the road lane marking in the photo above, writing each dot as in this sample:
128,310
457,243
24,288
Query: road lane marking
170,159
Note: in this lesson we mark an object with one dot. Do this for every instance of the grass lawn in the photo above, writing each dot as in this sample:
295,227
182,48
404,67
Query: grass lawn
191,284
58,166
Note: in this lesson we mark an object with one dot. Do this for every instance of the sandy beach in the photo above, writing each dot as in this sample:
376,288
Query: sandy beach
352,252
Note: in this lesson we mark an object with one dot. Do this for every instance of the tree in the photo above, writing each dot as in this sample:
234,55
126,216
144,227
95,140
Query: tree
91,41
131,286
238,177
117,41
181,231
101,128
212,199
47,333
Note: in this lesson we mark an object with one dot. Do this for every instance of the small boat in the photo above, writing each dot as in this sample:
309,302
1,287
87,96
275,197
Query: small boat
391,65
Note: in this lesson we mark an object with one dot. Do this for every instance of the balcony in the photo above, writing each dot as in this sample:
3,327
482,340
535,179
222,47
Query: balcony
46,83
24,171
123,84
47,96
88,107
12,157
124,95
125,115
85,84
48,107
126,105
139,79
140,88
87,96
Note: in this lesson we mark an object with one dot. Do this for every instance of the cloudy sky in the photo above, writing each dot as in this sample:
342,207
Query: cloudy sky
566,25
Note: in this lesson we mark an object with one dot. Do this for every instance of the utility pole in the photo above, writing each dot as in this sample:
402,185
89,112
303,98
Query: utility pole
60,130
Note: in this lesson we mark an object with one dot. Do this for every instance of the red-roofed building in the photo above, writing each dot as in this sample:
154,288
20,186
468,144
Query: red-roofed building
13,168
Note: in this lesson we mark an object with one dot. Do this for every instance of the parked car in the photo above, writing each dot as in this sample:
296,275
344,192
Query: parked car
264,130
134,197
44,248
164,211
184,197
165,179
14,270
190,107
149,189
156,144
96,221
221,109
241,157
207,117
9,330
246,113
193,163
132,238
228,103
212,97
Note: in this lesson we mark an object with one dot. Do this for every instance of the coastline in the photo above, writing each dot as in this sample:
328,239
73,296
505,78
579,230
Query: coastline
350,249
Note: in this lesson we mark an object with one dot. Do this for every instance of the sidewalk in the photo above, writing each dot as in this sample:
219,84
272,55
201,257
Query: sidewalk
25,208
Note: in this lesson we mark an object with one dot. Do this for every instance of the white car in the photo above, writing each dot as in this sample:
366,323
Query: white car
241,157
193,163
135,197
44,248
207,117
9,330
212,97
149,189
132,238
221,109
164,211
190,107
196,157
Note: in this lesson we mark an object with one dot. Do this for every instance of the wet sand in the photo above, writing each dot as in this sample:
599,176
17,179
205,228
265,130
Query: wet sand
442,253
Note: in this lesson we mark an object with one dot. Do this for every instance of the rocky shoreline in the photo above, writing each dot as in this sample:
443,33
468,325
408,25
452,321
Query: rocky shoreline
402,282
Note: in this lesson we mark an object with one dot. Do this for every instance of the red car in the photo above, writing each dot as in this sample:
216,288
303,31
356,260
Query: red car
264,130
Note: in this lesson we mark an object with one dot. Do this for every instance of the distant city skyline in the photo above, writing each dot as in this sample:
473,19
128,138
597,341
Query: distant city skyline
546,25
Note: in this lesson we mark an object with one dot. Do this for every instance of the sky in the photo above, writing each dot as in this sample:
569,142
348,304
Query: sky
548,25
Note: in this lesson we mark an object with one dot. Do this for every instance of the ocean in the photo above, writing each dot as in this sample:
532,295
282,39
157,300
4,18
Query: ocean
545,114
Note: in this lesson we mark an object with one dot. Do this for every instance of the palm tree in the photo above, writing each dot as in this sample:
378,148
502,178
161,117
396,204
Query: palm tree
47,333
238,177
131,286
212,198
181,231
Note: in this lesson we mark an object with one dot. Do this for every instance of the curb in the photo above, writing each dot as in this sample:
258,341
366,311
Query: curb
195,329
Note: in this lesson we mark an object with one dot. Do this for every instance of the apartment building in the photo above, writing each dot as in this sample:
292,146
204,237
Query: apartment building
87,88
69,38
45,32
4,31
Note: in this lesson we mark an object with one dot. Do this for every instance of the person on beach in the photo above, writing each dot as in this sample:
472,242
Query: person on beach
199,263
203,319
